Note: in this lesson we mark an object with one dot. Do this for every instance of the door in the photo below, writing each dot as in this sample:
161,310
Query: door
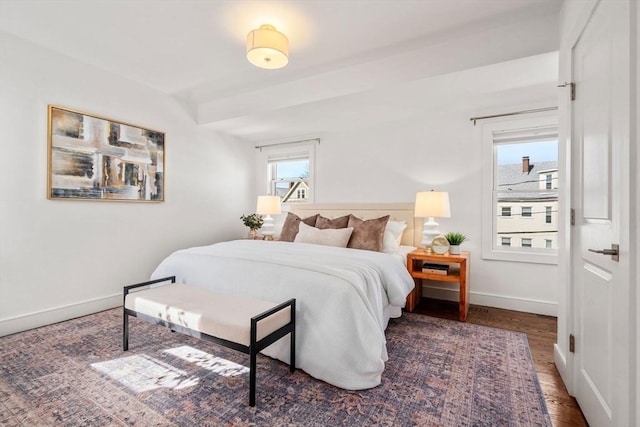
600,197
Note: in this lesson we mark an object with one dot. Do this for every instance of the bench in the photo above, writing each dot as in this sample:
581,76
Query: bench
244,324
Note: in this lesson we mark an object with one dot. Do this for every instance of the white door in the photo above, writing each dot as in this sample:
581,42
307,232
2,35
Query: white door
600,197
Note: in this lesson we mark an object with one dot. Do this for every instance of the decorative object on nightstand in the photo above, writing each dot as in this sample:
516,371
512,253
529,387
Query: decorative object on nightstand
455,240
430,205
441,269
267,206
254,222
440,245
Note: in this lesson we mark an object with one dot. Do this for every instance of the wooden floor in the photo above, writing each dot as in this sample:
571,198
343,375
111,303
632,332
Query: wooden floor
541,331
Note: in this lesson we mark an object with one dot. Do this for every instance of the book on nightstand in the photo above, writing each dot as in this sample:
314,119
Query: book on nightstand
441,269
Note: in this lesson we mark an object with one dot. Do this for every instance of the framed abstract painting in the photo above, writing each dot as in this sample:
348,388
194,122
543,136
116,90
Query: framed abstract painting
93,158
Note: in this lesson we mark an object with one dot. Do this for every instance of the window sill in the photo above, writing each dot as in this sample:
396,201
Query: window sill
515,255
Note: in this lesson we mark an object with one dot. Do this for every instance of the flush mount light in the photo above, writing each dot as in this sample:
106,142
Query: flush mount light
267,47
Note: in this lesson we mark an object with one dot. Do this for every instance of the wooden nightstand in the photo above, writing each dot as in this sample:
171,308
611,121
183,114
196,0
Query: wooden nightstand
458,272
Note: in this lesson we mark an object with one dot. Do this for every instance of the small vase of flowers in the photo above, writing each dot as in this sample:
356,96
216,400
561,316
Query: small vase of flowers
254,222
455,240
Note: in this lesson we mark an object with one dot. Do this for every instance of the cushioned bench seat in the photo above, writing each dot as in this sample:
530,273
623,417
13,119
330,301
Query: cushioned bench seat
245,324
221,315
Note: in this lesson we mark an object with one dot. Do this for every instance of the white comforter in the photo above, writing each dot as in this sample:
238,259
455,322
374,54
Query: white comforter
340,297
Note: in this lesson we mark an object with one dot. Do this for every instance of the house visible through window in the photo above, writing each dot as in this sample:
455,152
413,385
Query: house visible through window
522,155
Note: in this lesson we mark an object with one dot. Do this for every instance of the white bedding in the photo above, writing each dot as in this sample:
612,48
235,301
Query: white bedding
342,297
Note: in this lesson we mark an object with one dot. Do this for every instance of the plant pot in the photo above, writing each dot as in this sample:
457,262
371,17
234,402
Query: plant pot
454,249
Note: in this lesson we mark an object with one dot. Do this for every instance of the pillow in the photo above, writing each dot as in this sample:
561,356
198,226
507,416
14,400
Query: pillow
291,225
393,235
367,234
325,223
329,237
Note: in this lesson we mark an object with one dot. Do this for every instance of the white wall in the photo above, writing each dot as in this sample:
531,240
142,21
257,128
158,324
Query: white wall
60,259
390,162
635,219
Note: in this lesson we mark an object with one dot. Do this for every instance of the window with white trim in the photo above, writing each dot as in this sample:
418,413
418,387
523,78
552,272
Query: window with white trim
287,170
520,180
548,210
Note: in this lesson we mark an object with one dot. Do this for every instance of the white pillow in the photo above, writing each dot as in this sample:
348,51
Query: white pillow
329,237
392,235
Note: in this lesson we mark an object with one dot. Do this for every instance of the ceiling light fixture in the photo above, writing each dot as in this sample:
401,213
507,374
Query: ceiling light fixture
267,48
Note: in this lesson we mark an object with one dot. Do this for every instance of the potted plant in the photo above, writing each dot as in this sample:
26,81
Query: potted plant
254,222
455,240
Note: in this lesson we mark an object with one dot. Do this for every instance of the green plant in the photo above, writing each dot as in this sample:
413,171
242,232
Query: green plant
455,239
253,221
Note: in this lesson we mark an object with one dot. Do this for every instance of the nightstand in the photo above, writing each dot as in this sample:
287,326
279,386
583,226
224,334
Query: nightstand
458,273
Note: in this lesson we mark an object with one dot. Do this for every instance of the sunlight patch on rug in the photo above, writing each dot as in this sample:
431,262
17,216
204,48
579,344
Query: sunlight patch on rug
141,373
208,361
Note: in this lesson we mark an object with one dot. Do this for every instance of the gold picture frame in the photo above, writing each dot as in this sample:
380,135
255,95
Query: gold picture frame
94,158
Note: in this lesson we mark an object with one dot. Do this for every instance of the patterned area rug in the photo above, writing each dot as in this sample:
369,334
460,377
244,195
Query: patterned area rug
439,373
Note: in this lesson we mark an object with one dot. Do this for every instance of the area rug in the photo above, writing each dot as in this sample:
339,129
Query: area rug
439,373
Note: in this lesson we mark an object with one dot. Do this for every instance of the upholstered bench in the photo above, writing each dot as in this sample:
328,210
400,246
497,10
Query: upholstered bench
241,323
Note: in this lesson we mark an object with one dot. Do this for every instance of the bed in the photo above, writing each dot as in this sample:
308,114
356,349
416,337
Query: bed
345,296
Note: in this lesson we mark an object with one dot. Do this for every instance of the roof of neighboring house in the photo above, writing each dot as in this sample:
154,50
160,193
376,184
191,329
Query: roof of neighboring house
511,179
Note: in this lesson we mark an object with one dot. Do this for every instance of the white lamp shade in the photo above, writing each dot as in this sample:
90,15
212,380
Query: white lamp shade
267,48
268,205
434,204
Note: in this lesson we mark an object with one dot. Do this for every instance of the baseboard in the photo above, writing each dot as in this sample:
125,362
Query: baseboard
24,322
546,308
561,364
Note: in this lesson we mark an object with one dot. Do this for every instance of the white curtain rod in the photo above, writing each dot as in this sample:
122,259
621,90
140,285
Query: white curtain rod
287,143
537,110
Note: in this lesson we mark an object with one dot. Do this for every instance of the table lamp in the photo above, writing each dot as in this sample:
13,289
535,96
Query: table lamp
267,206
430,205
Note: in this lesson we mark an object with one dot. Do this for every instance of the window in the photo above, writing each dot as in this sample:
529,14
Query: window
520,175
289,179
286,170
548,243
547,214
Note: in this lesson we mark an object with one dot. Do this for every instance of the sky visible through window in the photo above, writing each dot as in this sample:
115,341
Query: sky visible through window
541,151
293,169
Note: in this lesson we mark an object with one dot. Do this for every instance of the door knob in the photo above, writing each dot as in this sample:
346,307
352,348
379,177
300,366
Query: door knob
614,252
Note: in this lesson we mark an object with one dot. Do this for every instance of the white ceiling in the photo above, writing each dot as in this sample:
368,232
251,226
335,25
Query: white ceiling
345,55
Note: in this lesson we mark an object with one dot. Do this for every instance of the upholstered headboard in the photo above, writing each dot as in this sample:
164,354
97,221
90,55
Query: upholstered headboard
397,212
